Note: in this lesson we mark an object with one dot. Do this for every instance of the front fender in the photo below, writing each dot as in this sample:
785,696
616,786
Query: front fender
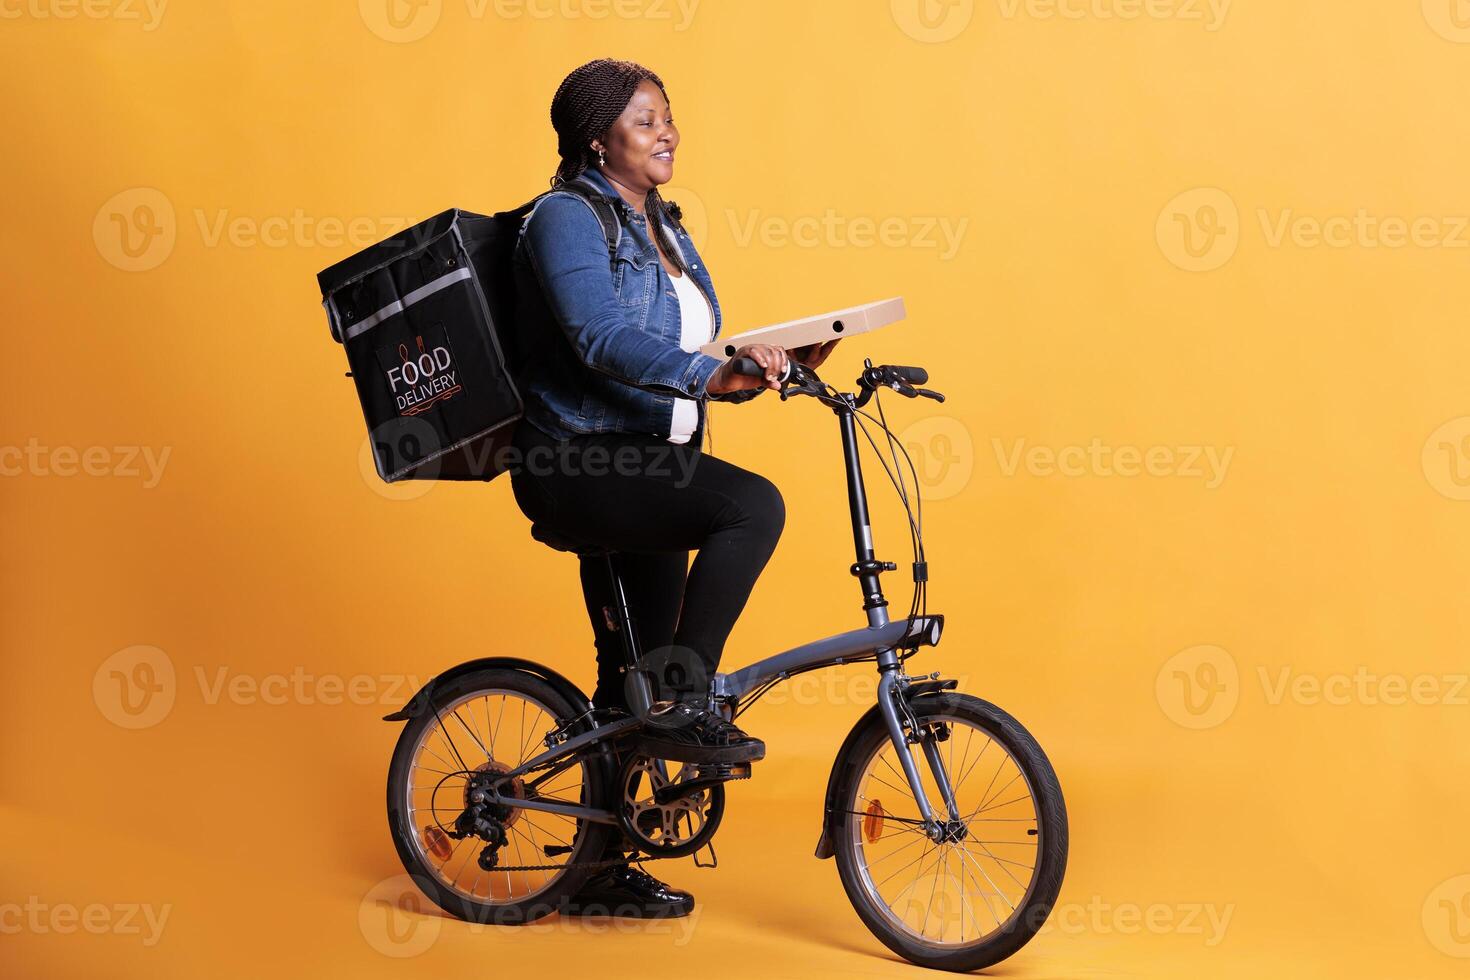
419,702
870,717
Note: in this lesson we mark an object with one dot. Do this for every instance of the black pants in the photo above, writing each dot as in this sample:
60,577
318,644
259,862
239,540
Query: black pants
653,502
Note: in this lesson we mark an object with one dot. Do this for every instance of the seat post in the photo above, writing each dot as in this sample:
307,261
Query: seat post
639,690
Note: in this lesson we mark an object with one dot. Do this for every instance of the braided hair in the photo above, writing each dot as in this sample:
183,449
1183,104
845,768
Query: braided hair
587,103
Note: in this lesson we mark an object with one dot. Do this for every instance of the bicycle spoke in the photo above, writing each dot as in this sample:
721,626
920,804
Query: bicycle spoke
440,798
983,749
988,907
1001,790
880,779
1006,803
906,866
472,734
529,738
962,902
998,893
897,850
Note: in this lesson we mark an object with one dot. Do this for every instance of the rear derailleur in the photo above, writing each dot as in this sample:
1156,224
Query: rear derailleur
482,817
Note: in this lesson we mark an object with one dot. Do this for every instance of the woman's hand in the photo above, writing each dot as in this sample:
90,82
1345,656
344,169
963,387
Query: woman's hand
812,355
772,359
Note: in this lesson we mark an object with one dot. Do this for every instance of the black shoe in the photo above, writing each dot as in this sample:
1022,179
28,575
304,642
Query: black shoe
686,732
629,892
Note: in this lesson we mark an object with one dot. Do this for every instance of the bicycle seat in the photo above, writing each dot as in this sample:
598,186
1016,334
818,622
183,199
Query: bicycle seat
560,542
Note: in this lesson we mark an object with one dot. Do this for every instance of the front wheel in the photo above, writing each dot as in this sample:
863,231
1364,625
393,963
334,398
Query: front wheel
980,893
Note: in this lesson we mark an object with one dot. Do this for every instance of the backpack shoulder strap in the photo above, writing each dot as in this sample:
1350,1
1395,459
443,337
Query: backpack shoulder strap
607,215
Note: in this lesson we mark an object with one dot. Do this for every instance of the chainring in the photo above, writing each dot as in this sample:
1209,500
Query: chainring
678,827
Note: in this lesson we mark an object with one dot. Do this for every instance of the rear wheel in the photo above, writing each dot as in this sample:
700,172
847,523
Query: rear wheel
980,893
474,729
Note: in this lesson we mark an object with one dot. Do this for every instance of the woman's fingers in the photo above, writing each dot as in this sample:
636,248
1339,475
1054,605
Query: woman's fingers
773,362
777,367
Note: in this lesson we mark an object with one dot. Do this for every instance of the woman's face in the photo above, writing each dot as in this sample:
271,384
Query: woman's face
640,145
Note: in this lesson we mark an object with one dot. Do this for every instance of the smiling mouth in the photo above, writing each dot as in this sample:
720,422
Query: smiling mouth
665,155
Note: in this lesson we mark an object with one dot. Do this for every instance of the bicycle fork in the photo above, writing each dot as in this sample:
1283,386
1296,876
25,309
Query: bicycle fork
896,716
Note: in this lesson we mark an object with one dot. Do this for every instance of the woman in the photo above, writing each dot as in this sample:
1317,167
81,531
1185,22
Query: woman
616,393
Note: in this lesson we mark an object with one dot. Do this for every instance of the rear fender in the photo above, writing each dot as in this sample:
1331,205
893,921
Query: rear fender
419,703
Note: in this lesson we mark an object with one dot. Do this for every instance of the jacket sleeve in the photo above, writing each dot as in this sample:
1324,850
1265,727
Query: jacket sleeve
738,396
568,252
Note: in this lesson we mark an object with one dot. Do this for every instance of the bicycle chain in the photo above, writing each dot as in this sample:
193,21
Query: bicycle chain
635,858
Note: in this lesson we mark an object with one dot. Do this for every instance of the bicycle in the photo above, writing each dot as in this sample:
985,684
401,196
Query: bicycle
975,865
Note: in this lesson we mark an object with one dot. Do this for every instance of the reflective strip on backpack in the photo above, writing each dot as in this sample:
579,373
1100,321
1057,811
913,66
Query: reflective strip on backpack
399,305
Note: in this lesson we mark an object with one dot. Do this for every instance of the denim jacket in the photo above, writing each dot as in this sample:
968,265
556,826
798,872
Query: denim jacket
602,350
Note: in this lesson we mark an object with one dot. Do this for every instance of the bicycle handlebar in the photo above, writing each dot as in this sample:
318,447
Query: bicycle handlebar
747,366
908,375
896,376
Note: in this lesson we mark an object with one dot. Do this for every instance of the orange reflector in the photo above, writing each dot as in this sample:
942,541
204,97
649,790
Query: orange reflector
437,842
873,822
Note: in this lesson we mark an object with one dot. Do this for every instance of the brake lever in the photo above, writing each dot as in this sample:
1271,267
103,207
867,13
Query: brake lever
930,393
799,380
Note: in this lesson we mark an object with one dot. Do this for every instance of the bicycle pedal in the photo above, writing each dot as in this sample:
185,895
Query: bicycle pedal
725,772
707,775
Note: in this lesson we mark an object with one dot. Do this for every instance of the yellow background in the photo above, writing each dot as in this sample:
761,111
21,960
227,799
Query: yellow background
1138,625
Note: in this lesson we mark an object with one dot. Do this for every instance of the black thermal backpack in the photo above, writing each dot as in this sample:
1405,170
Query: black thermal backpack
429,322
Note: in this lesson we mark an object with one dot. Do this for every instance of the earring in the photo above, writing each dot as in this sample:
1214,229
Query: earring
601,158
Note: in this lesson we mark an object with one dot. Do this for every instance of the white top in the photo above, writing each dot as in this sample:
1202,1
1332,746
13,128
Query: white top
697,327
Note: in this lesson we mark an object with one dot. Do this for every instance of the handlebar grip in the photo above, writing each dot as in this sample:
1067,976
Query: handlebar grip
748,366
909,375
